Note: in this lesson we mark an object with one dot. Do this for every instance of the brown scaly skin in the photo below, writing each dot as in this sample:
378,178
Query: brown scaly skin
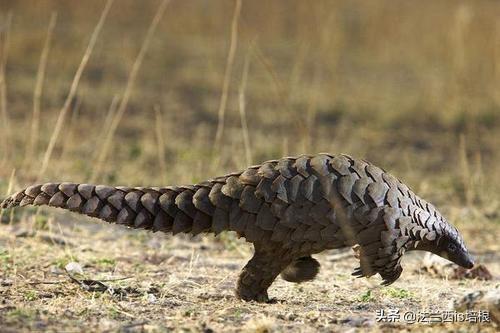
289,209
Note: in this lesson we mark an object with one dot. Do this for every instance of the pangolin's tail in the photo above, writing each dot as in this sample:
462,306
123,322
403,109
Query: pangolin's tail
172,209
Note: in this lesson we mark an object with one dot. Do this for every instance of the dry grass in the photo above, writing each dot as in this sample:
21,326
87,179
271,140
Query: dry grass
411,86
73,90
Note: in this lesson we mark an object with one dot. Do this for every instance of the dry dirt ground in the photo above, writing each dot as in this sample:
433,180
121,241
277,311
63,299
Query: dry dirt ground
160,283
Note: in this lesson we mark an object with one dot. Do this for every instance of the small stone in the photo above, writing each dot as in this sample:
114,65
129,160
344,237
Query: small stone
74,267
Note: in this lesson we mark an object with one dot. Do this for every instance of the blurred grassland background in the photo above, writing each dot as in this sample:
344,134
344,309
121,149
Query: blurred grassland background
413,86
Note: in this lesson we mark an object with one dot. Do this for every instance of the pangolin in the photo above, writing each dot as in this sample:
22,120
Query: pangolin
289,209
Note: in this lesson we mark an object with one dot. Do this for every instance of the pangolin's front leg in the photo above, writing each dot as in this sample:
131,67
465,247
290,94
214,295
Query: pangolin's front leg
260,272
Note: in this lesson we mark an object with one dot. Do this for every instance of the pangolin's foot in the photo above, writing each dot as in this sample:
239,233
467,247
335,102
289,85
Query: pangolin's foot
252,286
259,273
246,294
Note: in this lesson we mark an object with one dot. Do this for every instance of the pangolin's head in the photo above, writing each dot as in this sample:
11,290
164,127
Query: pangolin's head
449,245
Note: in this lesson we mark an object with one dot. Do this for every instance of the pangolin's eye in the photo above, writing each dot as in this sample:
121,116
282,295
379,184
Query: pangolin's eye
452,247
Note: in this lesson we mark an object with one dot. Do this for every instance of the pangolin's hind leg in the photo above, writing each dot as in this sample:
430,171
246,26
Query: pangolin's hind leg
260,272
301,269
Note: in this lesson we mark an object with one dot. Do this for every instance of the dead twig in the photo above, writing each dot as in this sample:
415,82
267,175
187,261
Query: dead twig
34,283
242,108
227,76
74,86
37,93
4,51
122,107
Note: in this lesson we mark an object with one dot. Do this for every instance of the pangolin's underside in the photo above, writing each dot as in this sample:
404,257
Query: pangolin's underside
289,209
